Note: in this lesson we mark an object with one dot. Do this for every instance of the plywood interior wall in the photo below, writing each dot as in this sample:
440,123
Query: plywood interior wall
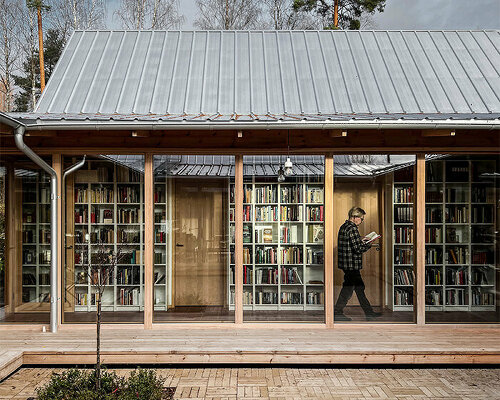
367,195
199,272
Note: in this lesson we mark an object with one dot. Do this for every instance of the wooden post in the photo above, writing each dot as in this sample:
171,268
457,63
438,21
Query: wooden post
419,245
148,242
328,245
57,164
10,240
238,240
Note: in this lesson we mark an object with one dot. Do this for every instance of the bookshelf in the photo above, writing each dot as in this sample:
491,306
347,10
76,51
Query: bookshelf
108,207
35,206
283,230
402,254
460,217
162,244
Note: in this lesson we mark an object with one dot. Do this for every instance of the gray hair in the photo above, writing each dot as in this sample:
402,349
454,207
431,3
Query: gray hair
356,212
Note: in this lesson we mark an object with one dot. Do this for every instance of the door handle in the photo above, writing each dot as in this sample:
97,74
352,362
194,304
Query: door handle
179,245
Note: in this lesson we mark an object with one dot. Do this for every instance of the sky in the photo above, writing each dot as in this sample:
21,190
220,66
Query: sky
398,14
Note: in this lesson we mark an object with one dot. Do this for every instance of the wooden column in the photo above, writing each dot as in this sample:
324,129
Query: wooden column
148,242
328,245
57,165
238,240
419,237
11,262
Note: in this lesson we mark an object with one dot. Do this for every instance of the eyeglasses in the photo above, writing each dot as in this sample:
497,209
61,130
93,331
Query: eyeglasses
362,218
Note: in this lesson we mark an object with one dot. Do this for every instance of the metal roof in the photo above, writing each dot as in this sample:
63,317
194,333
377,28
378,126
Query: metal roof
273,75
223,166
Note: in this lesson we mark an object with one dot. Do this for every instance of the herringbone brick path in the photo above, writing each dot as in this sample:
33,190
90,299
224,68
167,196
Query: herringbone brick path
301,383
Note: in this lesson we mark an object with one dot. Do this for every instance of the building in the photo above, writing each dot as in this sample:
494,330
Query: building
187,138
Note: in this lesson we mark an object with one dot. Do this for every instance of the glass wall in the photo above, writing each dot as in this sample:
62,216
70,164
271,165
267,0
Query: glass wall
283,231
193,272
462,225
104,239
24,241
374,276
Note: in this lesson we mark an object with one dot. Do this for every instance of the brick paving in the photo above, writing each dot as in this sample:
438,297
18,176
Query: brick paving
300,383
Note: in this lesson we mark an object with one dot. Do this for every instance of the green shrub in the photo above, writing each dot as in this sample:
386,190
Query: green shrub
81,385
143,384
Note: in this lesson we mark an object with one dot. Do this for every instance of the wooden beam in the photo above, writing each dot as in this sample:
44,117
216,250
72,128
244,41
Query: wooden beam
238,240
419,245
57,165
148,241
329,240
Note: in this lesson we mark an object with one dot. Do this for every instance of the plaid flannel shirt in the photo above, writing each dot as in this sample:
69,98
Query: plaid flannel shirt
350,247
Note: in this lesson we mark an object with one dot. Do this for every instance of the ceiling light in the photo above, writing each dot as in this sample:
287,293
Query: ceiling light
288,167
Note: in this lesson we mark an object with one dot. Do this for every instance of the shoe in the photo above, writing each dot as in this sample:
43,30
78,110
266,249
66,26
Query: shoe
341,317
373,314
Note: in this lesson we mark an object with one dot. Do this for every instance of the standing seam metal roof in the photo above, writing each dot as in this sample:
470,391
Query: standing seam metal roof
275,74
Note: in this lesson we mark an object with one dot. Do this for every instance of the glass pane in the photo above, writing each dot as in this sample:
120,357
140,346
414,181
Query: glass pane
104,211
374,281
192,271
462,196
25,269
283,229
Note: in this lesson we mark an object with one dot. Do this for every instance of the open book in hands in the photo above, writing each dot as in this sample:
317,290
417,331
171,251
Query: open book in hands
371,237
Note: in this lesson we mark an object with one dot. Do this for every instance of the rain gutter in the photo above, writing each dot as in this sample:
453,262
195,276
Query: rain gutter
260,125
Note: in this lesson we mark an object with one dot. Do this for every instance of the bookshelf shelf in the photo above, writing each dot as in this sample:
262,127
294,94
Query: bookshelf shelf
286,227
459,209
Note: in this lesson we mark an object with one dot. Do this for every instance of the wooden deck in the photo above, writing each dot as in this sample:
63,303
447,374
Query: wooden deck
258,345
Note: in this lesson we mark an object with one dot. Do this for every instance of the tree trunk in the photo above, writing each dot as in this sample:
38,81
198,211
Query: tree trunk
98,346
40,49
336,13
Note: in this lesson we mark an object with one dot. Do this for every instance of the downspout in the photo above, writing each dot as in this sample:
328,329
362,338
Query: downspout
70,170
54,301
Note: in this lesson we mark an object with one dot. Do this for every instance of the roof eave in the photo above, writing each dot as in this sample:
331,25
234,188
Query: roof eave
451,124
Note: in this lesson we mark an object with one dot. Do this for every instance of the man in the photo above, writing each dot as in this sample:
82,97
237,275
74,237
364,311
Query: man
350,256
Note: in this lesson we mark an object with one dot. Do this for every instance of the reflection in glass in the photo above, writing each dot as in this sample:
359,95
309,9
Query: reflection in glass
382,186
25,269
104,207
192,277
283,229
462,225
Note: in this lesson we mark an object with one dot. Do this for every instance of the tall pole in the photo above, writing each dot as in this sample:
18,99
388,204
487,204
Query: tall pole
336,13
40,48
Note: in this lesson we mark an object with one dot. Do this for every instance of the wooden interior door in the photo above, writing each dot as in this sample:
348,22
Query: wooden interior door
199,234
366,195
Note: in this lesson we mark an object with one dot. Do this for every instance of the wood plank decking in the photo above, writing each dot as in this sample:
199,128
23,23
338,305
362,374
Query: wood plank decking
341,345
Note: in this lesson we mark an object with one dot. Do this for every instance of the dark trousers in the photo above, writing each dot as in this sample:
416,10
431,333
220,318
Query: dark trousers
353,282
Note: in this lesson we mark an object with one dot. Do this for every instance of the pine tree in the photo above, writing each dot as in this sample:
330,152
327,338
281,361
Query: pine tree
343,14
53,46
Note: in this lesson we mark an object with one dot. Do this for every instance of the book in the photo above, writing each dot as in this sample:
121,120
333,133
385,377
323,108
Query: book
315,234
371,237
268,235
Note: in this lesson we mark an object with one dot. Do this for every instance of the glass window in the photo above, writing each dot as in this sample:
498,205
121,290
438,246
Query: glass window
462,195
283,231
374,280
192,272
104,239
25,268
